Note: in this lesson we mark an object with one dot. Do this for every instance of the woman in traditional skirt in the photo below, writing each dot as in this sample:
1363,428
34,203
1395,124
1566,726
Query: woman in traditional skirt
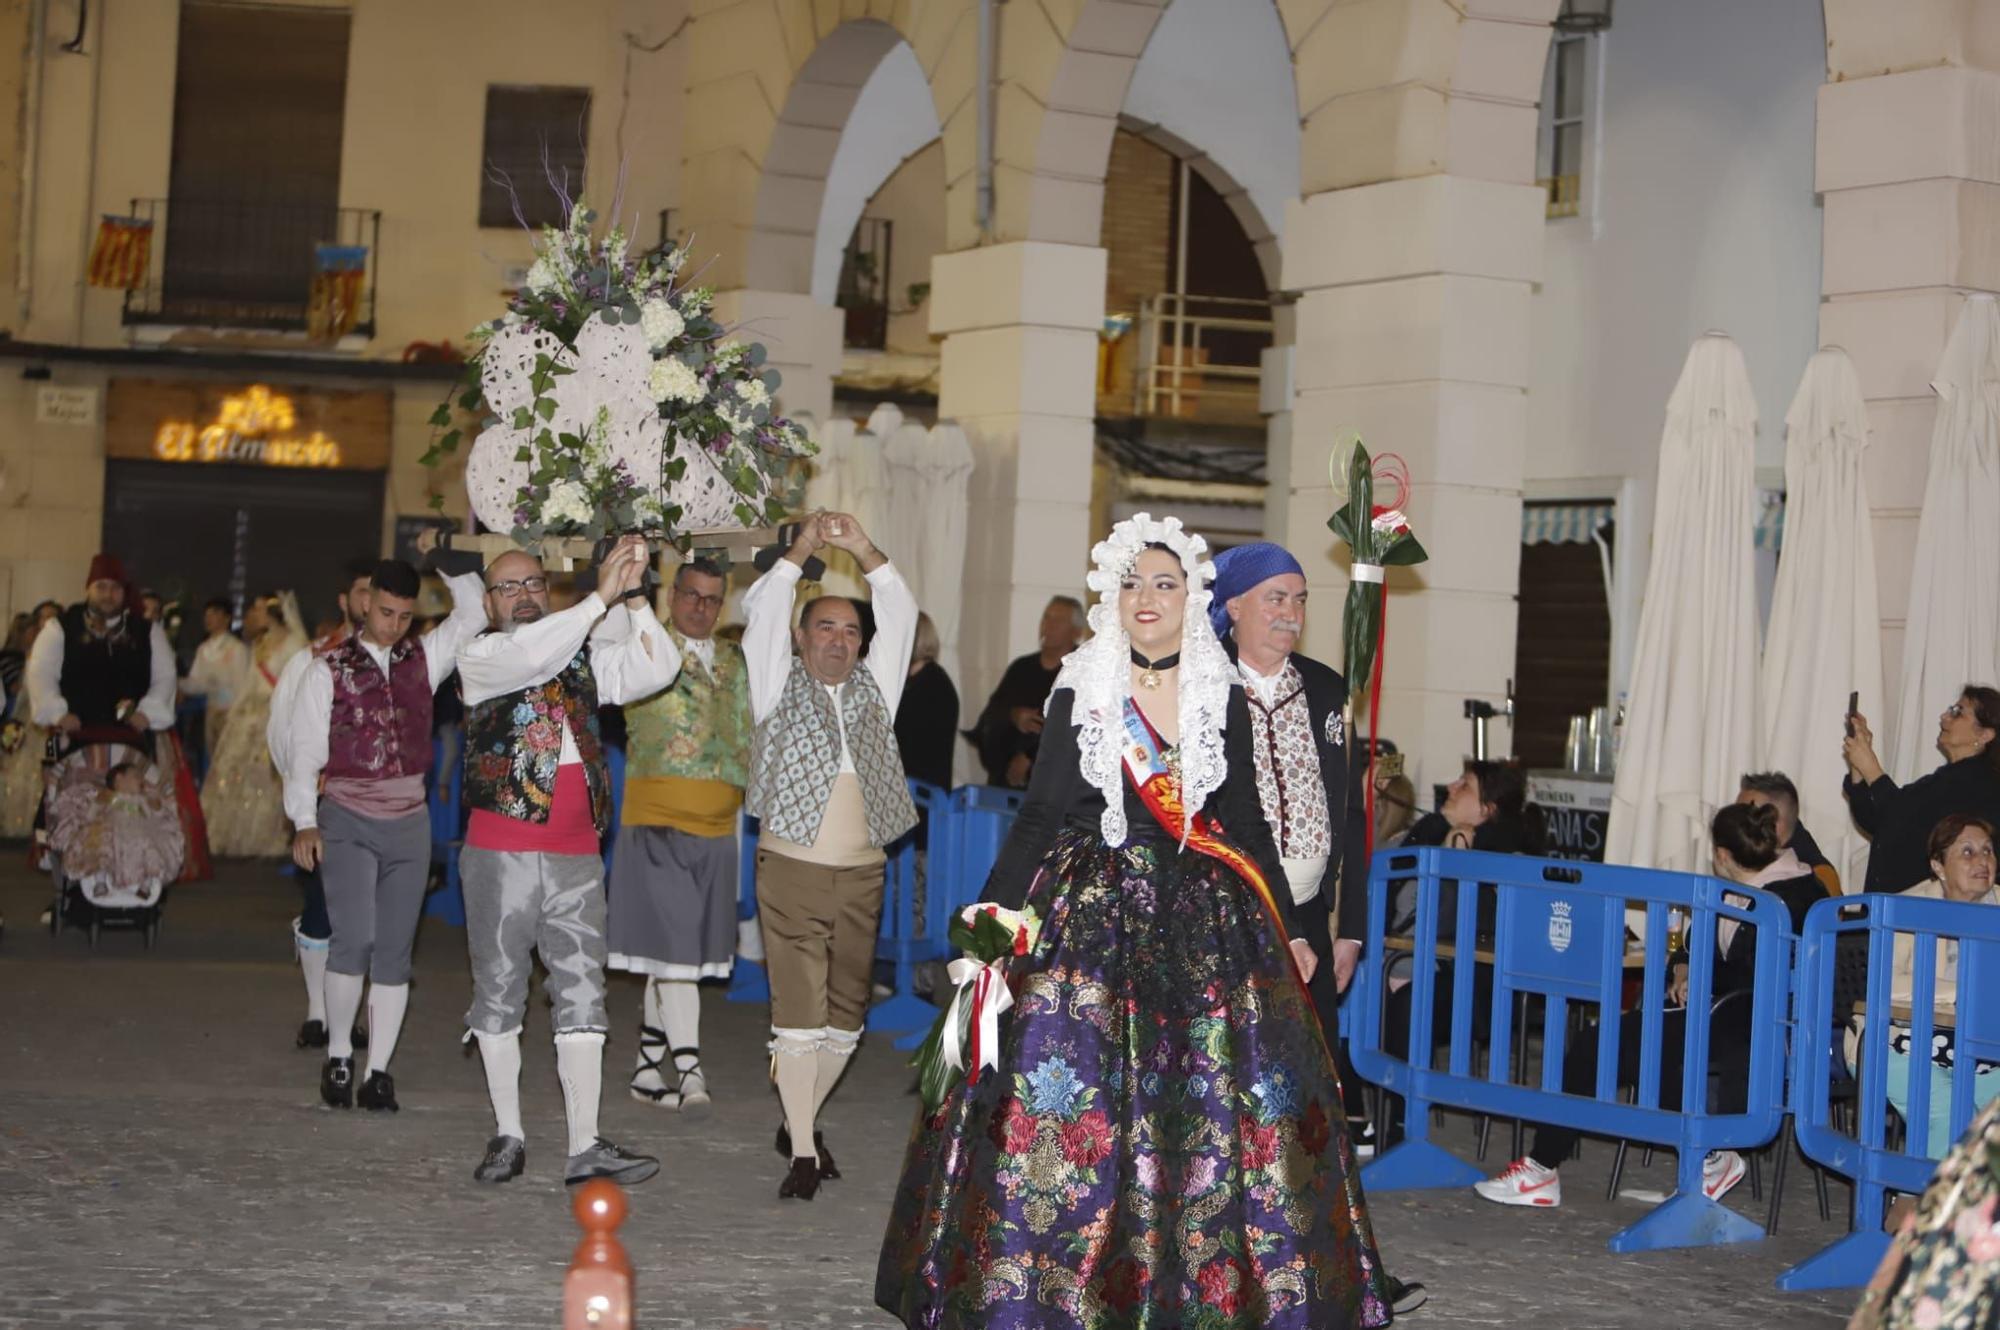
1161,1143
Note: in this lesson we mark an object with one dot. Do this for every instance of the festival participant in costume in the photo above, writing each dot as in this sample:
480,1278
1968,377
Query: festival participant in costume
312,930
221,668
243,798
827,782
673,871
1009,730
105,668
359,741
1162,1127
539,791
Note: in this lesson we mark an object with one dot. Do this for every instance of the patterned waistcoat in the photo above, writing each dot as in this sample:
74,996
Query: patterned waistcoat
797,758
100,672
381,725
513,745
699,728
1288,775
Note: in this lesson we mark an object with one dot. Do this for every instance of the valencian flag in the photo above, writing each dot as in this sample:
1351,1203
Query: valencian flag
338,274
124,246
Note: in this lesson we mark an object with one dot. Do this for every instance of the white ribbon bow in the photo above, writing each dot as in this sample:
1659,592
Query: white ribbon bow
984,985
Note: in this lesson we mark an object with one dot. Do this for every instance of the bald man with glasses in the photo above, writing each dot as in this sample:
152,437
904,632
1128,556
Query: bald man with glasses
674,866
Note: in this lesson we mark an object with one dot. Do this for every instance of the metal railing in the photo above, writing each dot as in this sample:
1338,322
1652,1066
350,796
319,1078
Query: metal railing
1178,370
863,291
232,263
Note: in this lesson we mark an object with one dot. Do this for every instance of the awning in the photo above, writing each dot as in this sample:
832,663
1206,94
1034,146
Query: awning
1576,523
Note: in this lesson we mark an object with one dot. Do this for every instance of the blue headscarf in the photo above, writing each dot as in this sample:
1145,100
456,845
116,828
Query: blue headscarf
1241,568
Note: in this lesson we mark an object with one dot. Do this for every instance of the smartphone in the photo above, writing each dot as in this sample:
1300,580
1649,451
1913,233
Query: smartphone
1853,705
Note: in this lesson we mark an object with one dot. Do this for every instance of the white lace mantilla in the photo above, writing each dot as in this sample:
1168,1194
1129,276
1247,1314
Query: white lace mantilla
1099,673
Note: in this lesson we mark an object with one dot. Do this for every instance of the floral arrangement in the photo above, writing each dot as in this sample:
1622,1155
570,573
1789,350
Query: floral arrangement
966,1035
611,400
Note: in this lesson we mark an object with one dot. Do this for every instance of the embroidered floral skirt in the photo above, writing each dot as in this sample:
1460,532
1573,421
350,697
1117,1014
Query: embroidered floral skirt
1162,1145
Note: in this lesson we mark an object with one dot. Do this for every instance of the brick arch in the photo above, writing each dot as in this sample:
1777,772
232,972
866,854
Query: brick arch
771,84
1260,230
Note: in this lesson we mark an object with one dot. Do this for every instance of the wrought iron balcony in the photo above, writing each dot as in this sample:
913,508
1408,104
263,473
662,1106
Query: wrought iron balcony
283,267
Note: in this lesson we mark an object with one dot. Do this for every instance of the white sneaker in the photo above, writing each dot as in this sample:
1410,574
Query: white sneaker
1722,1170
1523,1182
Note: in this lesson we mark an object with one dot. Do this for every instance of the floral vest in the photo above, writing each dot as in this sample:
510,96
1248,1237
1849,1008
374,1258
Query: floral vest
381,724
797,759
1288,775
513,745
699,728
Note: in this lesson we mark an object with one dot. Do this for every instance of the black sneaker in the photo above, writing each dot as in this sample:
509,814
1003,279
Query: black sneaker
802,1183
1405,1298
605,1160
336,1082
312,1034
828,1170
505,1157
378,1092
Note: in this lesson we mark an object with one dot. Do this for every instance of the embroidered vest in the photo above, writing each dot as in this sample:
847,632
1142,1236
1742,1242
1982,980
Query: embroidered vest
1289,783
796,759
513,745
100,672
699,727
381,725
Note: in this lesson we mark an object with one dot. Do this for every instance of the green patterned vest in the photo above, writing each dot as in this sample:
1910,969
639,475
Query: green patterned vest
513,745
797,759
699,728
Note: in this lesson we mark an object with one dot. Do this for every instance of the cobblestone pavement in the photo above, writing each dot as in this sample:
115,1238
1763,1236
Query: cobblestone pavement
164,1163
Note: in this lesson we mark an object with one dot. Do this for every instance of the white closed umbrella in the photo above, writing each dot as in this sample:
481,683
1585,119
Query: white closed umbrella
1824,640
1690,721
1952,630
903,515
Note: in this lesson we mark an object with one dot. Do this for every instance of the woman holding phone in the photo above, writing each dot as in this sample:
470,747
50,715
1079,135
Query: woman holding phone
1898,819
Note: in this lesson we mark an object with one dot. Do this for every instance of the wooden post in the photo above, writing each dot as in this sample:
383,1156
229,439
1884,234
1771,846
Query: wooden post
597,1291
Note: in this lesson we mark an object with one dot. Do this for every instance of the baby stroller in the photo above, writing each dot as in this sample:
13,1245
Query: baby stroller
114,836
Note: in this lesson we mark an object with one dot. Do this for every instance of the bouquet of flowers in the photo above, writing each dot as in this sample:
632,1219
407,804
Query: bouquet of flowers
966,1035
611,400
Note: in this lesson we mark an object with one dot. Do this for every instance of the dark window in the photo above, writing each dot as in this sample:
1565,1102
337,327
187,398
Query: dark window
534,144
1562,647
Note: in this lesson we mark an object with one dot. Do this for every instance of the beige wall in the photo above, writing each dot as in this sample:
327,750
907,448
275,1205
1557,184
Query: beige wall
52,495
913,199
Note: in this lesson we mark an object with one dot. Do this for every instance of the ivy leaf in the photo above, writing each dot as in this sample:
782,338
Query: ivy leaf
430,457
524,454
450,440
437,503
442,416
546,408
676,468
521,418
469,399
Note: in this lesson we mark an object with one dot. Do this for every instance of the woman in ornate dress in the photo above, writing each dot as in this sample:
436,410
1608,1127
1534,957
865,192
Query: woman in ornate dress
1162,1143
243,799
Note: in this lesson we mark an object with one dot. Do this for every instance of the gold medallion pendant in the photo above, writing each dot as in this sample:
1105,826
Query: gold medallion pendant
1149,670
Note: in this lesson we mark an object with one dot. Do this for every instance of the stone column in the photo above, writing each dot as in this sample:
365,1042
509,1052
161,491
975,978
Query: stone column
1911,183
1020,324
1412,328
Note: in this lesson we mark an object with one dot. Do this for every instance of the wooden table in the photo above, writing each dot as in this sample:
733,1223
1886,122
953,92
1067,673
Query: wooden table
1942,1018
567,555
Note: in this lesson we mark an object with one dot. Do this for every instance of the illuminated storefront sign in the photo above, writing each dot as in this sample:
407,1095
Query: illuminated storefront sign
253,426
248,424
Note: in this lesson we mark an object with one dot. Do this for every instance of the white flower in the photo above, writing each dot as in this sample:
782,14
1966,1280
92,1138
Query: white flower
660,321
614,248
1388,521
753,392
567,503
543,276
672,381
738,424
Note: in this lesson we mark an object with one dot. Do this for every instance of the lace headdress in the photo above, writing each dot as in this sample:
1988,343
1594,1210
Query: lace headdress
1099,672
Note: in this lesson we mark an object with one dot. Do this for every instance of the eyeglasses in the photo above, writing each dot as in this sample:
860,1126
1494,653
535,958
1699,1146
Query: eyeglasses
698,600
513,587
1955,710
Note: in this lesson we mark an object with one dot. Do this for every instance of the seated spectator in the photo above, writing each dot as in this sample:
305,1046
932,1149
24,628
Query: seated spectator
927,718
1776,789
1746,853
1961,850
1009,730
1395,810
1898,819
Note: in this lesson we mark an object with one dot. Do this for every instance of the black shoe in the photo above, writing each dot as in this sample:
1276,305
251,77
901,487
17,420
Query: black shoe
360,1035
1405,1298
312,1034
828,1170
802,1183
336,1082
604,1160
505,1157
378,1092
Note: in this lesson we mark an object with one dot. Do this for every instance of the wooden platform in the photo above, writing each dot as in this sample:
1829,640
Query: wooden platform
568,555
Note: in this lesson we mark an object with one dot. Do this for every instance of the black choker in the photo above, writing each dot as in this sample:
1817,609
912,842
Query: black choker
1149,676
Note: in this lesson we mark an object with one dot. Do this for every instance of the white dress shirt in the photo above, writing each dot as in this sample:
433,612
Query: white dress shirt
221,668
767,641
630,653
46,704
304,696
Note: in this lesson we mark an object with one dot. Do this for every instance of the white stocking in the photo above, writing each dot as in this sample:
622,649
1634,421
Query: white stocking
834,1055
580,1064
501,1054
796,1070
312,968
680,1016
343,1004
386,1005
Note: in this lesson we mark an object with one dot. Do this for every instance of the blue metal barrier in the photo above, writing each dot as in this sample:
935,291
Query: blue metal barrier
445,798
1864,1156
1559,933
906,936
964,843
747,981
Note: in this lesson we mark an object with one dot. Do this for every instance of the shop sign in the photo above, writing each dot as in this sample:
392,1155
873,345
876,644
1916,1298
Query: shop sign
1576,808
57,405
250,425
